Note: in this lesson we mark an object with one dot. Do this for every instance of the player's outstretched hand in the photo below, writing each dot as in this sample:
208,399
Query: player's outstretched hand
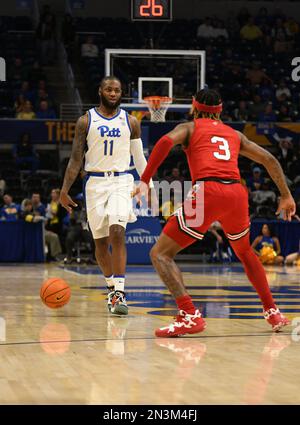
139,191
287,206
66,201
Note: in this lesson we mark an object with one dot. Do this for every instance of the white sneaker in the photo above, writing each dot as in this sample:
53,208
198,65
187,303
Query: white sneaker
110,295
118,304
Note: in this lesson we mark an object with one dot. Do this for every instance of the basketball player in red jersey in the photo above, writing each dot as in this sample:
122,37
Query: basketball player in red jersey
212,150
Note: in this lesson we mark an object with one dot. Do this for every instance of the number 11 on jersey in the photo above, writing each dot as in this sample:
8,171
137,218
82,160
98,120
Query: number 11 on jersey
111,147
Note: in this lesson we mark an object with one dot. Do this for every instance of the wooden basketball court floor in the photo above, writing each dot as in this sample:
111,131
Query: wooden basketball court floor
80,354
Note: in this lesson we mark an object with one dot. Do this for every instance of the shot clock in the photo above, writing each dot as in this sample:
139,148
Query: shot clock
151,10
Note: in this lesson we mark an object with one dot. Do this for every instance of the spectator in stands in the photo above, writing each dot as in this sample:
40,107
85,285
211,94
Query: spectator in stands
282,89
266,90
268,115
26,92
220,249
42,85
55,213
279,30
19,103
281,45
43,95
250,31
264,200
25,154
219,30
284,114
256,181
256,108
285,150
78,230
51,239
37,207
89,49
267,246
242,113
256,75
44,112
292,27
46,37
27,112
10,211
175,176
205,30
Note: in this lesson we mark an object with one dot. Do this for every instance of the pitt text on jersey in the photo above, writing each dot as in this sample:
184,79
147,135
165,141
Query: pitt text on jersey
106,131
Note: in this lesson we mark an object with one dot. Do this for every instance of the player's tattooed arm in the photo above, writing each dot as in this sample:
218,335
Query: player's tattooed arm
256,153
75,161
135,127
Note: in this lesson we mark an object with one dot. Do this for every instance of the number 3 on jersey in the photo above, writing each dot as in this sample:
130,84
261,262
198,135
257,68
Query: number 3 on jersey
111,147
223,147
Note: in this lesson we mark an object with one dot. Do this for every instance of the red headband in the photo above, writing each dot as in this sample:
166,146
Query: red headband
206,108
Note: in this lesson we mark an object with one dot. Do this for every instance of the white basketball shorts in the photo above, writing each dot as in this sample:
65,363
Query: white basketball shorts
108,201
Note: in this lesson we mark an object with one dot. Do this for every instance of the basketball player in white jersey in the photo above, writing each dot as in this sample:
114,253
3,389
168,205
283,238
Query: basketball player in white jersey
107,136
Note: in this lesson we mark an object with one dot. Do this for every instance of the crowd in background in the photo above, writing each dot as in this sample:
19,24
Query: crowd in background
62,230
248,60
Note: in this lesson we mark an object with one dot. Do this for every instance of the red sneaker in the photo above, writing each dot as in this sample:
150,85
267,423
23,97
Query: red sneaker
276,319
184,324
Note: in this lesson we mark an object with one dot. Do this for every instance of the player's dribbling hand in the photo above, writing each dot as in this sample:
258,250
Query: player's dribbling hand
66,201
140,191
287,206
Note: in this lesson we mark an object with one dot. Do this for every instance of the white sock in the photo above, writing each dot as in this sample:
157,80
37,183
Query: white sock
109,281
119,282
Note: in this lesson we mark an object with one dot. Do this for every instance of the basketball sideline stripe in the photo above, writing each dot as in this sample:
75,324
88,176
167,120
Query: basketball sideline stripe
141,339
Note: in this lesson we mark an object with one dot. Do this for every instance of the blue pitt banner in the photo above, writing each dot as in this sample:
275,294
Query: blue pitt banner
58,131
140,237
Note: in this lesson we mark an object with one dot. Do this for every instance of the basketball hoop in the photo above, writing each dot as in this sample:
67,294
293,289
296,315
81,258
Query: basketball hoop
158,106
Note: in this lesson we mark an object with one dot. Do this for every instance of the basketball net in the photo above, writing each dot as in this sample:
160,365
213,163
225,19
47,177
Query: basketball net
158,106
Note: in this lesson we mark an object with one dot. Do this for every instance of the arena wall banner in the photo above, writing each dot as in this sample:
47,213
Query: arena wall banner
43,131
140,237
61,132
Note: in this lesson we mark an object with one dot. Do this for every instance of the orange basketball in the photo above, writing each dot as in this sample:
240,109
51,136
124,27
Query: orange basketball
55,292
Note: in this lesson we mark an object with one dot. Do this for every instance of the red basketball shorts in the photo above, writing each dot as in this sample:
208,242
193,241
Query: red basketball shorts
225,203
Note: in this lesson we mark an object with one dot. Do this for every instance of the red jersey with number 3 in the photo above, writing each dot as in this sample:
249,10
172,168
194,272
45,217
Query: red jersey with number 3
213,150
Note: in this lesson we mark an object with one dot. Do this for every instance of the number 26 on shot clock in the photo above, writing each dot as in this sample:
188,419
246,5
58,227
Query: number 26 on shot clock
151,10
